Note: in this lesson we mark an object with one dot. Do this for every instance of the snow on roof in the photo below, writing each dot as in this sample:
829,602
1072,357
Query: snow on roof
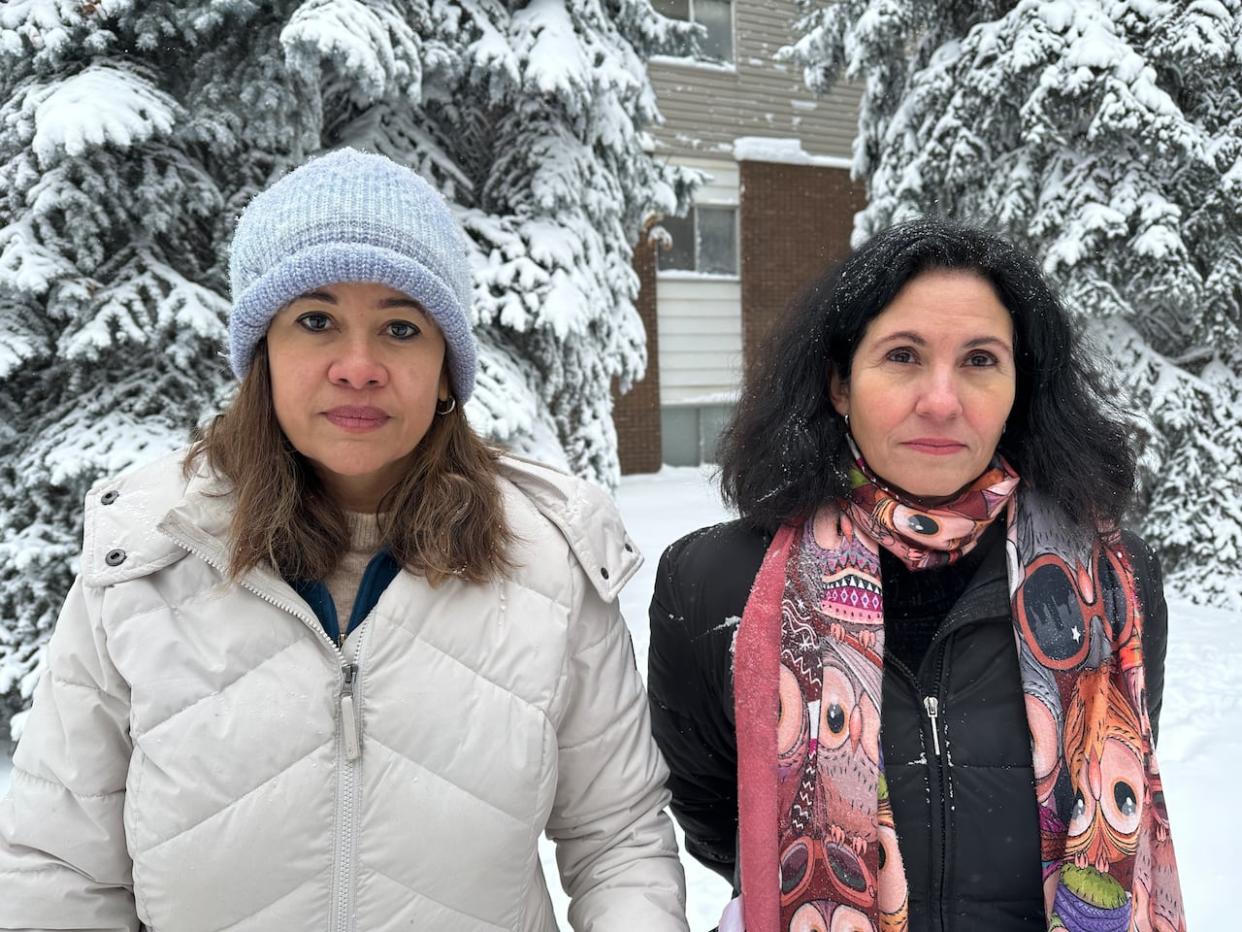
783,151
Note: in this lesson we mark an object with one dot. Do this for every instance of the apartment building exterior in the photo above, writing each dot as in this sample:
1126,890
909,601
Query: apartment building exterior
775,210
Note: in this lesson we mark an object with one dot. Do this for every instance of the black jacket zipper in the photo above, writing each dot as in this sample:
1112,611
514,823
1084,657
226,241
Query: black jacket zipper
941,872
929,699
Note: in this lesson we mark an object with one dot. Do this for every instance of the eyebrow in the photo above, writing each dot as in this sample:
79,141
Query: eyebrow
909,336
328,298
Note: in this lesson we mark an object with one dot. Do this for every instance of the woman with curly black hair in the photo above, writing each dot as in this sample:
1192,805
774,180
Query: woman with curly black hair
916,684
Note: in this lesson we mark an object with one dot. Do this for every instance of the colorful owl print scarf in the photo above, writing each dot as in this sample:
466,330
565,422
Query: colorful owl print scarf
817,845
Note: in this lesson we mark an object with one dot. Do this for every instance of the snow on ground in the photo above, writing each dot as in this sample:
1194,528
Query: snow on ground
658,509
1200,755
1200,745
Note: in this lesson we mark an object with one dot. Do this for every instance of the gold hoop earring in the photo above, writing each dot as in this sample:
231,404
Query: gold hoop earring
446,406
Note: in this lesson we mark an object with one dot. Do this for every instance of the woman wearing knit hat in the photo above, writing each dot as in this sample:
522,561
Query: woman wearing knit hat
342,664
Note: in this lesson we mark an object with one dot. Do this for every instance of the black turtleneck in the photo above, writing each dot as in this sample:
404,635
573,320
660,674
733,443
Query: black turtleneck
917,601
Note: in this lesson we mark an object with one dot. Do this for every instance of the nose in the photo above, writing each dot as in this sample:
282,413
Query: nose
357,367
938,397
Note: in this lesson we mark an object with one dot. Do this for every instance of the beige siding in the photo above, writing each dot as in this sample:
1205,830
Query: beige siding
706,107
700,323
700,316
721,186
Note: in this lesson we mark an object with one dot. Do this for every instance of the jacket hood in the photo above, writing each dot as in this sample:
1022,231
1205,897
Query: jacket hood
126,518
120,518
587,517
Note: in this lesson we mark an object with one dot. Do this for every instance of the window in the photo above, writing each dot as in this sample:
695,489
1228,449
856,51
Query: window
705,240
716,16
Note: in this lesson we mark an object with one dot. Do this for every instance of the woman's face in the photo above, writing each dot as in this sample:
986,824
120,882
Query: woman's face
356,371
931,384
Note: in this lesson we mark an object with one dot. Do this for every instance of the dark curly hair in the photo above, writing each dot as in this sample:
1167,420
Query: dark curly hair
783,452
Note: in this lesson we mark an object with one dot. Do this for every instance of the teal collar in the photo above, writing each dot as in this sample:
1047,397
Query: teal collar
382,570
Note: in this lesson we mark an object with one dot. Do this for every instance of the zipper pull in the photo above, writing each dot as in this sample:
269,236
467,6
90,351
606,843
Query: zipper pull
932,705
349,720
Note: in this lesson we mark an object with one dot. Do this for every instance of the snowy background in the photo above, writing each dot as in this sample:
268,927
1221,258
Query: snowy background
1102,134
1200,744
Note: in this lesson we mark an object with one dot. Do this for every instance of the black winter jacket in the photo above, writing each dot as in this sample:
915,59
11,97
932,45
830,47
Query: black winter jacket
966,818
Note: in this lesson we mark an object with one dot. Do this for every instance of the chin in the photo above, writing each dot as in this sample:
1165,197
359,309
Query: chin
354,468
353,463
930,477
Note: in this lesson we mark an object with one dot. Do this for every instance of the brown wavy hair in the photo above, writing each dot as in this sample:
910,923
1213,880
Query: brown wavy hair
443,519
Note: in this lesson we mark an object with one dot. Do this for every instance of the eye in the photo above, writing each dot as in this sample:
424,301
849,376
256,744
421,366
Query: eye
980,360
402,329
836,703
892,880
792,724
902,354
1123,771
808,918
1123,796
835,718
1083,812
314,321
848,919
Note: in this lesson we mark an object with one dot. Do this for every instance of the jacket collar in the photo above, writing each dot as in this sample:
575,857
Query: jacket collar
145,520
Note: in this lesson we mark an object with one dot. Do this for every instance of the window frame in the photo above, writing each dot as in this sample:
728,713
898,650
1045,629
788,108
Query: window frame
729,63
695,272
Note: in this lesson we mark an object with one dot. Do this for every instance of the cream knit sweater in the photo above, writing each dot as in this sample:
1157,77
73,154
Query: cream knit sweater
343,582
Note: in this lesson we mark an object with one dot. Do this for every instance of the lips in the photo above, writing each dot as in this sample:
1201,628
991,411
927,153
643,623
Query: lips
357,418
935,446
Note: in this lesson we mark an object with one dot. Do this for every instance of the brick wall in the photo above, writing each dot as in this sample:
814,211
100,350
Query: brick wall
796,221
637,413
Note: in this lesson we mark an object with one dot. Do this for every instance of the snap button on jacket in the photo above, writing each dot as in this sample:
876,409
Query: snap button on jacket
185,765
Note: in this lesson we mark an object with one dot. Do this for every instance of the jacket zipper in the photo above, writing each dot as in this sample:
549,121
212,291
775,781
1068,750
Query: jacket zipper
350,747
940,806
932,705
351,752
349,719
945,789
937,778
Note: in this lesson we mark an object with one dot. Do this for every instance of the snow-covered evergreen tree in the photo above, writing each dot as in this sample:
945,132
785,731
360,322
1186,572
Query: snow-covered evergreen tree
131,135
1106,136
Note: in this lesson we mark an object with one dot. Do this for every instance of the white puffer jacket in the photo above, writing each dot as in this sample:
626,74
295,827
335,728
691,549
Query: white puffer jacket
202,757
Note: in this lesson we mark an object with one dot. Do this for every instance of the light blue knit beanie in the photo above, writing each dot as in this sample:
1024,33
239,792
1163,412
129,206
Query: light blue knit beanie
351,217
